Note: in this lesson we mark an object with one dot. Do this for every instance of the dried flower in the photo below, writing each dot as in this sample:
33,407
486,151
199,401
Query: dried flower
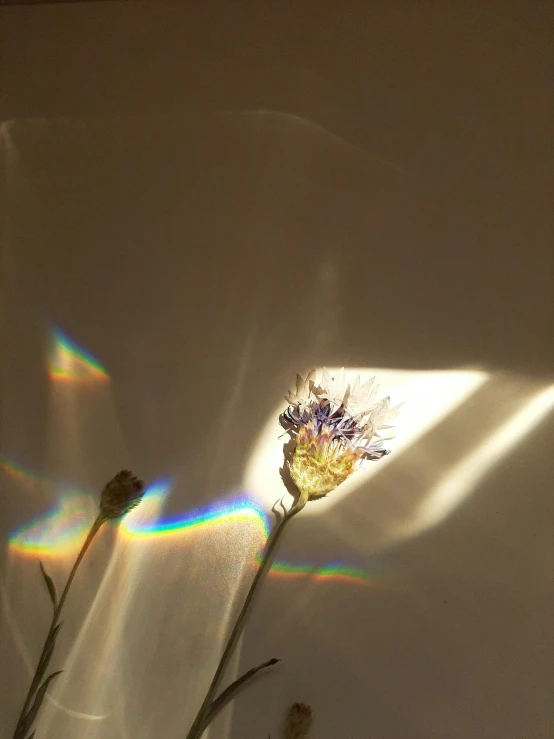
298,721
335,425
120,495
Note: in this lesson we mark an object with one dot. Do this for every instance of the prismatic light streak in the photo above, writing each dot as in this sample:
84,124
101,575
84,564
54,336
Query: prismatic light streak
59,533
242,510
332,572
21,474
237,510
68,362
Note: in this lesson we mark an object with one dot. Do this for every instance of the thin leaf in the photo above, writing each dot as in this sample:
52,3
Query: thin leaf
50,585
229,693
41,692
32,735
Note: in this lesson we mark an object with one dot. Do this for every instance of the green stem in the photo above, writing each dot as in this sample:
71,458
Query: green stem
58,609
198,727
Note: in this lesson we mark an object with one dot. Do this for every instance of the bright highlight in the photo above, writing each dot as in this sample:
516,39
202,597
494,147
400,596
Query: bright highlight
465,476
430,396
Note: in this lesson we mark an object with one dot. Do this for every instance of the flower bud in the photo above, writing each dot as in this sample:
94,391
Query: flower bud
298,721
120,495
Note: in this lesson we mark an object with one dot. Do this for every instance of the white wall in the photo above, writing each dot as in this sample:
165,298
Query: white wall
209,201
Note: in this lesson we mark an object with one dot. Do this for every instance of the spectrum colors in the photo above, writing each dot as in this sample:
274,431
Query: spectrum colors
60,532
68,362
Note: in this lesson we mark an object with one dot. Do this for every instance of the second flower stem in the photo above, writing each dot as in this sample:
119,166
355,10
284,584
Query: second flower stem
57,611
198,726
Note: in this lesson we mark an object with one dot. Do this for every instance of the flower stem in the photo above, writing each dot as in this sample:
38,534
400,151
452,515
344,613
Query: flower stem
57,611
198,727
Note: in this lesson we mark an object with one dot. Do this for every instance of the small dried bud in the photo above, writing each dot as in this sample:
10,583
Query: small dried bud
298,722
121,495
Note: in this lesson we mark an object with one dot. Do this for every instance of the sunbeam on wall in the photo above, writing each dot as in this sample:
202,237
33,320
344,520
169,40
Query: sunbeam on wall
443,498
429,397
430,471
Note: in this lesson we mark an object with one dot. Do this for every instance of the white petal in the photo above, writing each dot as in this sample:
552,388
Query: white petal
326,380
356,387
386,437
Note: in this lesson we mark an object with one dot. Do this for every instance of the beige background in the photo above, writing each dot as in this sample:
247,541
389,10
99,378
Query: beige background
208,201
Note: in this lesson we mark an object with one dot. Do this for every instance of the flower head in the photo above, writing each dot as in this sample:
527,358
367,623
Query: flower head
120,495
298,721
335,425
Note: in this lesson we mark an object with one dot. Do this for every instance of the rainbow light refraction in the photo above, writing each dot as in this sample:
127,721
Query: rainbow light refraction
61,531
68,362
238,510
335,571
22,475
58,533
